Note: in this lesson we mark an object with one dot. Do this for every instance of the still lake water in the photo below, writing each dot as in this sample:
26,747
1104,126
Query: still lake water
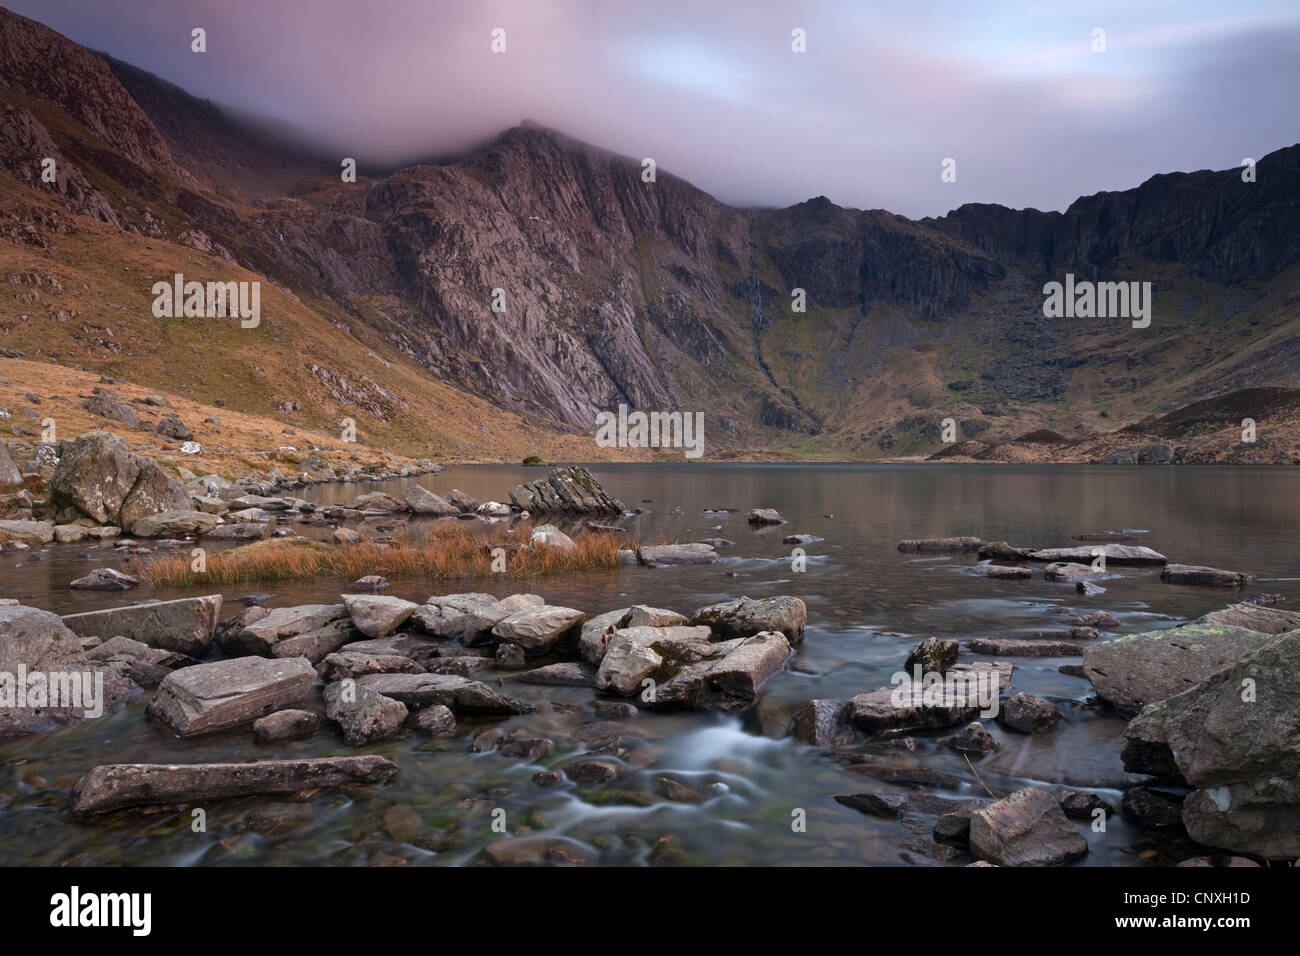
867,603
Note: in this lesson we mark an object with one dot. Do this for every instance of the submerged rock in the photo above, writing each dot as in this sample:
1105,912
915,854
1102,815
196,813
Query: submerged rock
941,544
117,786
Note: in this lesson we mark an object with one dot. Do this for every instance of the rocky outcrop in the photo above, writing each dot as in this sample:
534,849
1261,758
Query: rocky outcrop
565,490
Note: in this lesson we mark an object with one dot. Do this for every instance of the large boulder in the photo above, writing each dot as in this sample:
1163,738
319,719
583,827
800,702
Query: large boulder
11,478
422,501
1027,828
30,533
1233,736
224,694
478,623
154,492
94,475
185,625
1138,669
636,653
446,615
58,682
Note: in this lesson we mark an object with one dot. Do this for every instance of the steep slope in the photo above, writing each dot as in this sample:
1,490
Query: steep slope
612,289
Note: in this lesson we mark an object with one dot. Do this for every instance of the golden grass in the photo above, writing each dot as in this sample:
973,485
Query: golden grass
448,550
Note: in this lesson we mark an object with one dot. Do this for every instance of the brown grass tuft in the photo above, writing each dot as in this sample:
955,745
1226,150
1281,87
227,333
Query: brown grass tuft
447,550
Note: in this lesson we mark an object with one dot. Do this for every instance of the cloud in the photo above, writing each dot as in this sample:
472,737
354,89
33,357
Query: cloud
714,93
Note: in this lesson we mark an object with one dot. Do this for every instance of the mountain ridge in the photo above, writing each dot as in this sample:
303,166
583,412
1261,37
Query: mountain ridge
657,294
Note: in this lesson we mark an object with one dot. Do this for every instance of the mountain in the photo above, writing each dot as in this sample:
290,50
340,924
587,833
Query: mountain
379,293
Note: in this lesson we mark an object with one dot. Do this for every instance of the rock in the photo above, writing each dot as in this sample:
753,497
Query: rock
1001,551
565,674
1088,589
531,749
510,657
1022,647
1027,828
421,501
174,523
589,771
940,544
458,693
666,555
435,721
145,665
240,530
364,715
614,709
479,621
11,478
1210,577
1253,616
286,725
1114,554
876,804
538,629
154,492
933,655
634,654
185,625
117,786
105,405
676,791
494,509
1071,572
972,738
28,533
800,539
967,689
953,828
747,617
69,533
1028,714
462,502
1247,818
594,636
447,616
105,579
377,615
565,490
1138,669
269,631
765,516
823,723
1157,454
1115,537
1153,808
1080,804
349,663
369,584
378,501
1232,861
461,665
36,642
1001,572
211,697
549,535
740,673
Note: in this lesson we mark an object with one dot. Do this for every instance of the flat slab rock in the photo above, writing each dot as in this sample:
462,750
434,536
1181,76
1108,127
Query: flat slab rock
1206,577
940,544
185,625
665,555
1114,553
1139,669
118,786
460,694
886,709
224,694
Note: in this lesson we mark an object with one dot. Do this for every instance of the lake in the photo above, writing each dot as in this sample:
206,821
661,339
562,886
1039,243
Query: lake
868,605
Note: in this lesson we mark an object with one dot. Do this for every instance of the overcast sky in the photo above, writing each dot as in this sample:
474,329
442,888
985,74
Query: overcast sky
712,90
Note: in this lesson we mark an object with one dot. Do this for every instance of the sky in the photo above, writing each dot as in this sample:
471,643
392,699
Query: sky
712,90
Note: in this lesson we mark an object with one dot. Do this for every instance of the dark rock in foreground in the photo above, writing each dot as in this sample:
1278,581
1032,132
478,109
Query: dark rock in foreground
117,786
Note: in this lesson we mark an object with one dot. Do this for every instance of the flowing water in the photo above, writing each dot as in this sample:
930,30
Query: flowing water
867,603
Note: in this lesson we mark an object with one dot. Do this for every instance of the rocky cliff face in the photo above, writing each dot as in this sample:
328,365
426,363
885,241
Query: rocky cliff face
609,289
